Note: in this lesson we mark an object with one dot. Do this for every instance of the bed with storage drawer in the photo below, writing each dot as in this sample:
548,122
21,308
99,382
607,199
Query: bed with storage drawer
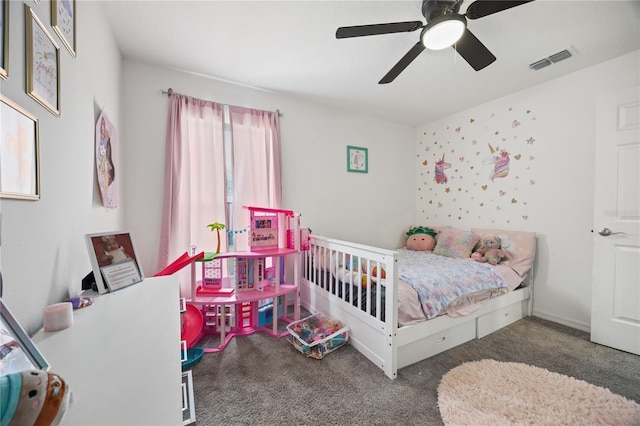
403,306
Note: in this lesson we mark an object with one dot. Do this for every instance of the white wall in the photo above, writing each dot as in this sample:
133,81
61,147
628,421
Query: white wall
549,131
43,251
314,139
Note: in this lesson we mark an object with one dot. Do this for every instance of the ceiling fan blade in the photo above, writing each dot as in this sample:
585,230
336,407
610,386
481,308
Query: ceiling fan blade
473,51
481,8
375,29
403,63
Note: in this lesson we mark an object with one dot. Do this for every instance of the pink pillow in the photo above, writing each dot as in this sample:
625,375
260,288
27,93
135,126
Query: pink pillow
519,245
452,242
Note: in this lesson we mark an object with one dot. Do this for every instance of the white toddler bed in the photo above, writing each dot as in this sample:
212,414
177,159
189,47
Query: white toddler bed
387,322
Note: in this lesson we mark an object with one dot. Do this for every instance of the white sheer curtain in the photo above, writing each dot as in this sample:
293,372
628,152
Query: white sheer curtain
256,163
195,187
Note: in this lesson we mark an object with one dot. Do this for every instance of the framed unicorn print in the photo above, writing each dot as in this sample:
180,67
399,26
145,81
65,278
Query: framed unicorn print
357,159
42,63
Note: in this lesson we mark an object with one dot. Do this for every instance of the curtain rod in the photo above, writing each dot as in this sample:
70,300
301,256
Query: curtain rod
170,92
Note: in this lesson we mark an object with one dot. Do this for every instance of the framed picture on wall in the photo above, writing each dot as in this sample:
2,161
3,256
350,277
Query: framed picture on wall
18,352
19,152
42,63
63,22
4,39
357,159
114,261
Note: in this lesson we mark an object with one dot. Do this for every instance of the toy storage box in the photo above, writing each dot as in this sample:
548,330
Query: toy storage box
317,335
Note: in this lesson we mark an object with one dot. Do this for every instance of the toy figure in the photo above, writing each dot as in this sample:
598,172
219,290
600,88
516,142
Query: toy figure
489,250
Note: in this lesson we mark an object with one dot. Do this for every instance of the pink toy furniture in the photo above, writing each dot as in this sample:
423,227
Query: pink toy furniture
239,291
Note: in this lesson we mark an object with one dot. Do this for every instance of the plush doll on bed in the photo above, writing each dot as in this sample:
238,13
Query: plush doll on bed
421,238
489,250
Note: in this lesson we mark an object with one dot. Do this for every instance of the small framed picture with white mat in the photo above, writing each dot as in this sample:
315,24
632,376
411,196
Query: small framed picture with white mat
114,261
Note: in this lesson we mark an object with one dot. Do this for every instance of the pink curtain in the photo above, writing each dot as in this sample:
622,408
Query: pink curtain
256,163
194,179
195,194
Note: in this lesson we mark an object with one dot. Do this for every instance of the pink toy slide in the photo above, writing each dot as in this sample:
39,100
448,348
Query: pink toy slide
192,321
192,318
179,263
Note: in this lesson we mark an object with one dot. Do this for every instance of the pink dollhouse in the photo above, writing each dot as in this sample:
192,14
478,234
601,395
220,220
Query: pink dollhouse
240,293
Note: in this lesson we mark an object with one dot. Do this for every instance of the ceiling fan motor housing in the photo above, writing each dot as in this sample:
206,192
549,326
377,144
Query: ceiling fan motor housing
434,8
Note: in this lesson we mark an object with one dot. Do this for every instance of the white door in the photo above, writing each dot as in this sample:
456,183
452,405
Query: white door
615,311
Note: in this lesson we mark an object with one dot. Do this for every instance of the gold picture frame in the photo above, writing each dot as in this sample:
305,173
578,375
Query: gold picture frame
19,152
4,39
63,22
42,63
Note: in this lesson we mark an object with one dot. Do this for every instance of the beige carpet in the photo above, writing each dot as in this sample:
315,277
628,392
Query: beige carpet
490,392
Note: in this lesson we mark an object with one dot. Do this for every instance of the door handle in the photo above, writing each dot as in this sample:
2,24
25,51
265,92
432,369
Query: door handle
605,232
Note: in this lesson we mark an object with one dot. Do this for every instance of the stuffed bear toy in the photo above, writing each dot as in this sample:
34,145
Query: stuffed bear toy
489,250
33,397
421,239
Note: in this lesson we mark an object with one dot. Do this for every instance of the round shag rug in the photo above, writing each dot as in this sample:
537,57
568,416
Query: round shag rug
490,392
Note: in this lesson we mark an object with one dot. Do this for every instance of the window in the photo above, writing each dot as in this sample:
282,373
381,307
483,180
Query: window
219,158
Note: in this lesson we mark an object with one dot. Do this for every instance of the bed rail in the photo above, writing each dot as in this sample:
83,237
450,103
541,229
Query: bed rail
339,271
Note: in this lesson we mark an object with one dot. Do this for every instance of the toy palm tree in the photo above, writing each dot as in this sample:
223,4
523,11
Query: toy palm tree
217,226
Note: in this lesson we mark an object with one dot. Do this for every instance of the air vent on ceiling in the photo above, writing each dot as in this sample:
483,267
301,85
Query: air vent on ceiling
552,59
560,56
540,64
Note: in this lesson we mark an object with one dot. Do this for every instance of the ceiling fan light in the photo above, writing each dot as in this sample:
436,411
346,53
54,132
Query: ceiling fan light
442,33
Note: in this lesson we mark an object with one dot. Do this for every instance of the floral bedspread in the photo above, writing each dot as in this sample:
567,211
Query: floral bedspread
440,280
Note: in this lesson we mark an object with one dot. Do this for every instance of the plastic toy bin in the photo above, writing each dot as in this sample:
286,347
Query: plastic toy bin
317,335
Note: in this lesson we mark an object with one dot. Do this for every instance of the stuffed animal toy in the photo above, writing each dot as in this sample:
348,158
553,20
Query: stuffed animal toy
477,256
489,250
421,239
33,397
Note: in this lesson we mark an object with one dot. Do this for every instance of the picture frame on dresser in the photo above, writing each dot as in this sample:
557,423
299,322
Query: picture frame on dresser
4,39
42,63
63,22
17,350
19,152
114,260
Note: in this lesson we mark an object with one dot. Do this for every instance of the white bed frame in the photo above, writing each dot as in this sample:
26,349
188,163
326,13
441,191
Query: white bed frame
382,342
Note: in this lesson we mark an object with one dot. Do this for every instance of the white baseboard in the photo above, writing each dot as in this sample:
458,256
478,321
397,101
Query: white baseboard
569,322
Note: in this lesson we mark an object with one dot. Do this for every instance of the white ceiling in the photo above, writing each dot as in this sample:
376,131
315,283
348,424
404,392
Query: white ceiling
290,47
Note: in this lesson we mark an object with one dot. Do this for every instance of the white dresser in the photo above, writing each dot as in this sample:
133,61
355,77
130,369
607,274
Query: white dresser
121,357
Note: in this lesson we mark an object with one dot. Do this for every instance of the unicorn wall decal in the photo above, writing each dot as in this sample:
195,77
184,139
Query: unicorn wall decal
500,160
441,166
